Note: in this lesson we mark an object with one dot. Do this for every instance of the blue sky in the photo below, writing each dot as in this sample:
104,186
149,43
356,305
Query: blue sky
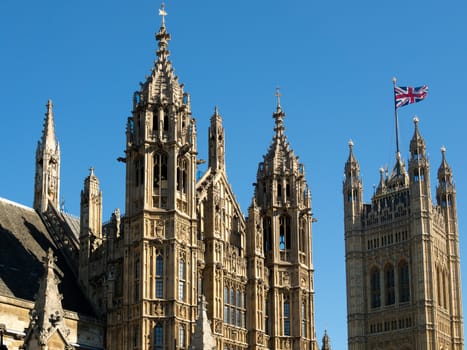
333,60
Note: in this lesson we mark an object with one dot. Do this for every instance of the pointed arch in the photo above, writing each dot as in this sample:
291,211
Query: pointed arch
158,341
182,175
389,283
181,279
159,276
375,287
181,337
267,234
160,183
284,232
404,281
286,316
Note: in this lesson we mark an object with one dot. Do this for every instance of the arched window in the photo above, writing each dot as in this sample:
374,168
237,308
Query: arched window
375,288
226,305
155,120
182,170
445,291
166,119
284,232
304,319
286,319
232,306
279,191
136,335
159,276
389,284
302,233
404,282
267,230
160,180
266,316
181,280
181,337
158,337
139,171
137,278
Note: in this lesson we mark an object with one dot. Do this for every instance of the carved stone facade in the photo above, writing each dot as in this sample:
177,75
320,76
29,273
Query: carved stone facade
182,238
402,257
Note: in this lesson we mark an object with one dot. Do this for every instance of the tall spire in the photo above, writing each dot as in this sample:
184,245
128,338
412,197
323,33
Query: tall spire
47,179
279,115
48,137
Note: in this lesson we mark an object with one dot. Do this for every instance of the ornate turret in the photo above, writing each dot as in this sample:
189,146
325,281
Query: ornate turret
352,187
419,171
47,324
326,341
216,143
161,138
160,211
283,199
47,179
398,178
90,225
446,190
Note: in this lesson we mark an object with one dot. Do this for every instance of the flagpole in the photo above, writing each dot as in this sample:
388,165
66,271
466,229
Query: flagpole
395,115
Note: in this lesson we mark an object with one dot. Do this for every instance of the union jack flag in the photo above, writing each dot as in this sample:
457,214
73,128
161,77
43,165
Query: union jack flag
404,95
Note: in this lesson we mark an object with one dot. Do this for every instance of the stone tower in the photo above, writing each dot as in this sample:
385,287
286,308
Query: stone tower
159,267
90,226
47,178
402,257
222,229
279,250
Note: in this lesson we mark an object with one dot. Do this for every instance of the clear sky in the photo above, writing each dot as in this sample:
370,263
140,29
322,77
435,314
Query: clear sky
333,60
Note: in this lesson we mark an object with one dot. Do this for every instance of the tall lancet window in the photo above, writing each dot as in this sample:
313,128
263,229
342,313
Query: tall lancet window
267,234
302,233
137,273
404,282
181,280
181,337
139,171
389,281
182,175
284,232
166,120
304,319
158,337
160,181
159,277
160,121
375,286
286,316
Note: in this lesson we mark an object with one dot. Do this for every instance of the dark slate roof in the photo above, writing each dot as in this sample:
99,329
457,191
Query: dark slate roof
24,241
73,223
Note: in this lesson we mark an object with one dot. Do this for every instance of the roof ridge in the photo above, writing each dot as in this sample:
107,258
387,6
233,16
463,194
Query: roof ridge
16,204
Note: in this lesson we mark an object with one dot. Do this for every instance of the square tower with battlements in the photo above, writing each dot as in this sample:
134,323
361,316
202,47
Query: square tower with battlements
402,257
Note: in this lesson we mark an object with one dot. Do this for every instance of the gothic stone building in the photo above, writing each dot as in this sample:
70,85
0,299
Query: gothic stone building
402,257
182,253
